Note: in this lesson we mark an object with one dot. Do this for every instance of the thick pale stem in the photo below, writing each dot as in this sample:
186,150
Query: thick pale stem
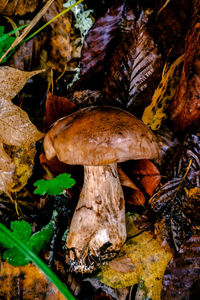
98,226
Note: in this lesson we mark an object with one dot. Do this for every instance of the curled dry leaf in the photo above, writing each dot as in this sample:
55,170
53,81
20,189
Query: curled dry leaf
33,283
149,261
185,107
17,7
182,272
134,68
15,127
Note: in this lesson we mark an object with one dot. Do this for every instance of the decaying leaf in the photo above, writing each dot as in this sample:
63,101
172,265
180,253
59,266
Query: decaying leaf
155,113
17,7
185,107
64,41
181,277
15,127
26,282
134,68
148,258
176,203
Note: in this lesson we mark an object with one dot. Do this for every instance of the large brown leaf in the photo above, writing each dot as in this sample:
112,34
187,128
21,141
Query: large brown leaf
98,41
16,130
134,68
185,108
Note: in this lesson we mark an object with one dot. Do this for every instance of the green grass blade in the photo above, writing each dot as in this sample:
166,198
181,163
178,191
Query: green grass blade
57,16
38,262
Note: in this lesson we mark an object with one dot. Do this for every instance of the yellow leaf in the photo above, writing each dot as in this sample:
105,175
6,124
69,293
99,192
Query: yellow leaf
154,114
149,261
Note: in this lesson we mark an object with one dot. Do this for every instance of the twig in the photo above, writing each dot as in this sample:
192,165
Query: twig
28,28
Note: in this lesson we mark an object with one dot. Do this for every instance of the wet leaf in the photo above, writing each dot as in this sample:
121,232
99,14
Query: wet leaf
17,7
155,113
134,68
175,203
185,107
98,41
182,273
149,261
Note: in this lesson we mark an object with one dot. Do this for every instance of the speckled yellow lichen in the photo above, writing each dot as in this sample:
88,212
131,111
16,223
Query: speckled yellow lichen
155,113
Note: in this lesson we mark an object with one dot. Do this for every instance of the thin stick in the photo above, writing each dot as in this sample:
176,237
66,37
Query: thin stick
28,28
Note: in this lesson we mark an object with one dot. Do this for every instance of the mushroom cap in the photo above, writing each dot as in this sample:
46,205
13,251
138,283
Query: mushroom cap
100,136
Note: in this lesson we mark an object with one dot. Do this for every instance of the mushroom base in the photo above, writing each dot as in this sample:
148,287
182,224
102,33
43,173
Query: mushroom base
98,228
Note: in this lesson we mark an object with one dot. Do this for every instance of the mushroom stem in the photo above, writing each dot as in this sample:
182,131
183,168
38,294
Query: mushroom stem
98,228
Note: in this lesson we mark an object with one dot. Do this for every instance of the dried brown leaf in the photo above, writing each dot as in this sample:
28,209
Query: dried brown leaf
185,107
134,68
16,129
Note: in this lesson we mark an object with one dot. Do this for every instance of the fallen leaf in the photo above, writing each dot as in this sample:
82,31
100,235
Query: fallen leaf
133,196
17,7
144,173
56,107
182,273
28,55
155,113
148,258
15,128
33,283
98,41
175,203
134,68
13,80
64,41
185,107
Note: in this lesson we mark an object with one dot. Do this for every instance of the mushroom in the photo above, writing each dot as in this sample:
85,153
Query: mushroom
98,138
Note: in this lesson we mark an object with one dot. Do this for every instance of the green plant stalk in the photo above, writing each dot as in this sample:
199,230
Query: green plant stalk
57,16
5,36
38,262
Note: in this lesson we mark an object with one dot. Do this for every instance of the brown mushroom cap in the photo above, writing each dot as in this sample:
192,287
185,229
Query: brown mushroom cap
100,136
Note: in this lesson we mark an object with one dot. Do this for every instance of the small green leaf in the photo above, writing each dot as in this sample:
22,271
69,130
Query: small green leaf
22,229
15,257
42,187
55,186
39,240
